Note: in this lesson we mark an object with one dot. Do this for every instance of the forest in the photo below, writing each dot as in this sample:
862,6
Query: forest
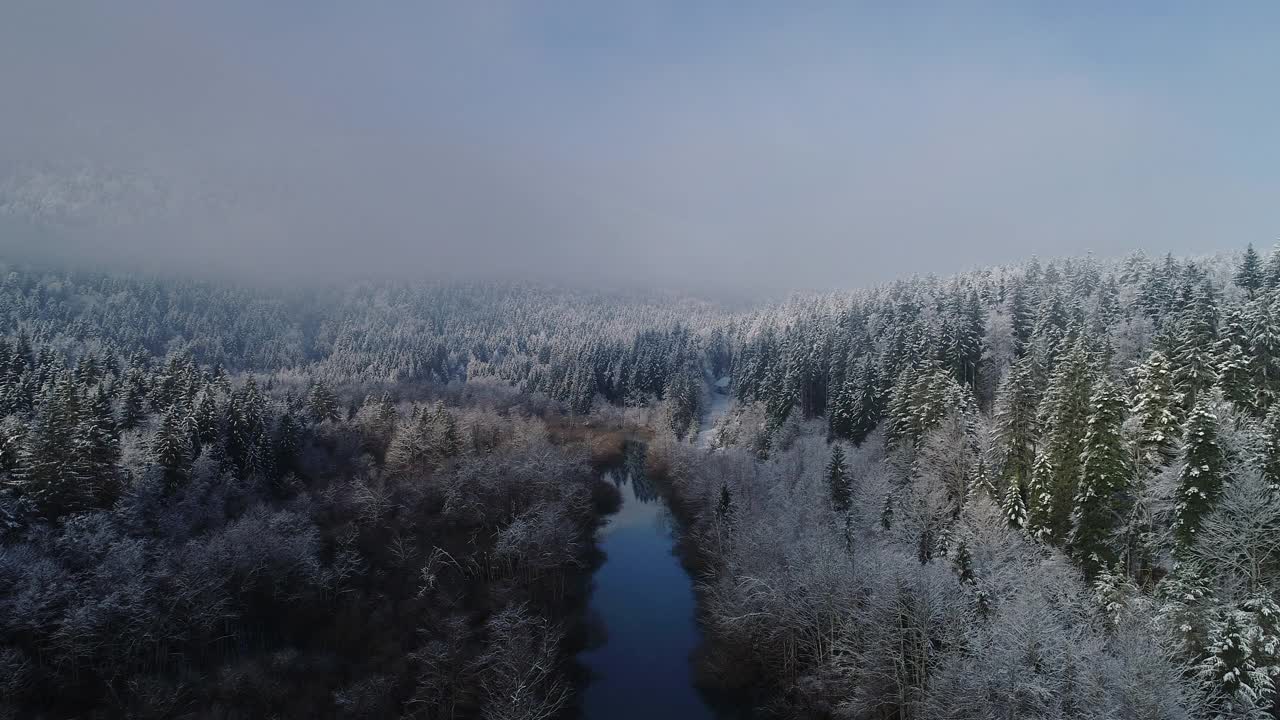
1043,490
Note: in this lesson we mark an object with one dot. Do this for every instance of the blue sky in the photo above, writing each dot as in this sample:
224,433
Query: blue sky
739,144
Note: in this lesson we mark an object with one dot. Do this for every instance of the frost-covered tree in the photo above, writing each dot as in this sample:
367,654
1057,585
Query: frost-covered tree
1064,413
838,481
322,404
1157,409
1249,275
1104,493
171,450
1017,429
1203,473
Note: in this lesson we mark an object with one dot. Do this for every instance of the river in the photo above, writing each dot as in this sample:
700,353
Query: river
643,603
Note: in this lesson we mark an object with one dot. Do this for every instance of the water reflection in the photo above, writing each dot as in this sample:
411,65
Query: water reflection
644,601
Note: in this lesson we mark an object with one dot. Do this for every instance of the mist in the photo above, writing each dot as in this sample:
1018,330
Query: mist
721,147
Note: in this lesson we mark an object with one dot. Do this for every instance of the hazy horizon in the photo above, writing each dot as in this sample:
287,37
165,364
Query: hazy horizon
727,148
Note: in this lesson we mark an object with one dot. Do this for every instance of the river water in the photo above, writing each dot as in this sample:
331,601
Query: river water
643,603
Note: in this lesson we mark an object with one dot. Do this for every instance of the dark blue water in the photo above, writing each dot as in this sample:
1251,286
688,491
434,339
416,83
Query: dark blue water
644,600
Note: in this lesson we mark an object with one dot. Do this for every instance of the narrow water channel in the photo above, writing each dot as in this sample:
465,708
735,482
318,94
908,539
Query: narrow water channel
643,600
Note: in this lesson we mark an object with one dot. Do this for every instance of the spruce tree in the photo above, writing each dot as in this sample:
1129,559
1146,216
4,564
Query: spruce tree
1016,427
1102,498
1157,408
1064,414
288,443
171,449
1272,275
1271,447
1249,274
867,405
98,448
47,468
208,420
1014,506
132,401
322,404
840,404
1203,475
1022,318
447,441
838,481
1195,361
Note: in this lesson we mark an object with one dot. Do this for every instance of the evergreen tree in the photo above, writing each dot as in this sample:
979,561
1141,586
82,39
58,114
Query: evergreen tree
841,402
1102,498
246,420
838,481
867,406
1243,654
886,513
1195,361
171,449
1017,428
322,404
1014,507
1271,448
1249,274
1064,413
1157,408
1203,476
447,441
1022,317
208,420
132,401
98,449
1273,269
288,443
724,508
47,469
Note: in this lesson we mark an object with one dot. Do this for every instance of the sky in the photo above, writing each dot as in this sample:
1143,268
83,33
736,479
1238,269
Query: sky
714,145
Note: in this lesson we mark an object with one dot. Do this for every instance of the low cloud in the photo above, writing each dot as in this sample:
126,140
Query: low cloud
573,142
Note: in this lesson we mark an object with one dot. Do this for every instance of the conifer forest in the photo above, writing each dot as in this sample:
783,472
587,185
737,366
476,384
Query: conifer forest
1044,490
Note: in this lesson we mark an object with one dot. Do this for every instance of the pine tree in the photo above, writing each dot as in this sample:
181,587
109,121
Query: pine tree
1249,274
1203,476
838,481
1102,498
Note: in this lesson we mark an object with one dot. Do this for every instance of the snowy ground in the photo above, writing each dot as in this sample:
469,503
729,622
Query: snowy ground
717,406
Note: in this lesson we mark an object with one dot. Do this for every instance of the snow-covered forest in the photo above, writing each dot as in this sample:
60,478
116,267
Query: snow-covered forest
1044,490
